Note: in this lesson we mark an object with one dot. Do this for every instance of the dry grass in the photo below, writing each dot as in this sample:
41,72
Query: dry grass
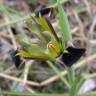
82,18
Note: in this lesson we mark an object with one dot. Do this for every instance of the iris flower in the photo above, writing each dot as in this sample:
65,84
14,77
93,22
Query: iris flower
49,46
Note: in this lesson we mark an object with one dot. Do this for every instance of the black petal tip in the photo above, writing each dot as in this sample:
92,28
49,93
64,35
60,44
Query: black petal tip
14,31
72,56
43,11
16,58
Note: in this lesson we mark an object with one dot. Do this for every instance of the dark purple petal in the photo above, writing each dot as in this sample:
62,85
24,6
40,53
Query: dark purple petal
16,58
72,56
14,31
43,11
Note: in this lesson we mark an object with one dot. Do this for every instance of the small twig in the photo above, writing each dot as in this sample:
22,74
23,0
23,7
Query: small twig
90,76
15,21
11,34
81,27
90,37
63,73
8,70
30,89
27,66
88,6
19,80
62,1
32,15
57,72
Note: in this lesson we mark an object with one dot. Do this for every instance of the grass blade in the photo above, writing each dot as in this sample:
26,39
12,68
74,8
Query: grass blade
63,20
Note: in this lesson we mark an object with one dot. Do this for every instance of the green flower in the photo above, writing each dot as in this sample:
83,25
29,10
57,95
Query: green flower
48,46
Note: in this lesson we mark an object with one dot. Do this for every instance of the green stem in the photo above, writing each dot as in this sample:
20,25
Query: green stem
12,93
71,75
72,81
58,73
15,21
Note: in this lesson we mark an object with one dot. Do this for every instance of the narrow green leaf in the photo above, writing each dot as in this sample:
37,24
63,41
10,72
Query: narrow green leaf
34,50
32,27
73,89
23,39
63,20
79,84
29,55
71,75
41,35
13,93
58,73
16,93
44,22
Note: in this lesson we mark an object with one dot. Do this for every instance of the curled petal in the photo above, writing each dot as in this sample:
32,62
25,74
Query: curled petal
16,58
72,56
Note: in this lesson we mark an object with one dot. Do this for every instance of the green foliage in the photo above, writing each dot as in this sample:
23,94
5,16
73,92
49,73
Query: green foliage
53,47
64,25
56,87
43,21
49,49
